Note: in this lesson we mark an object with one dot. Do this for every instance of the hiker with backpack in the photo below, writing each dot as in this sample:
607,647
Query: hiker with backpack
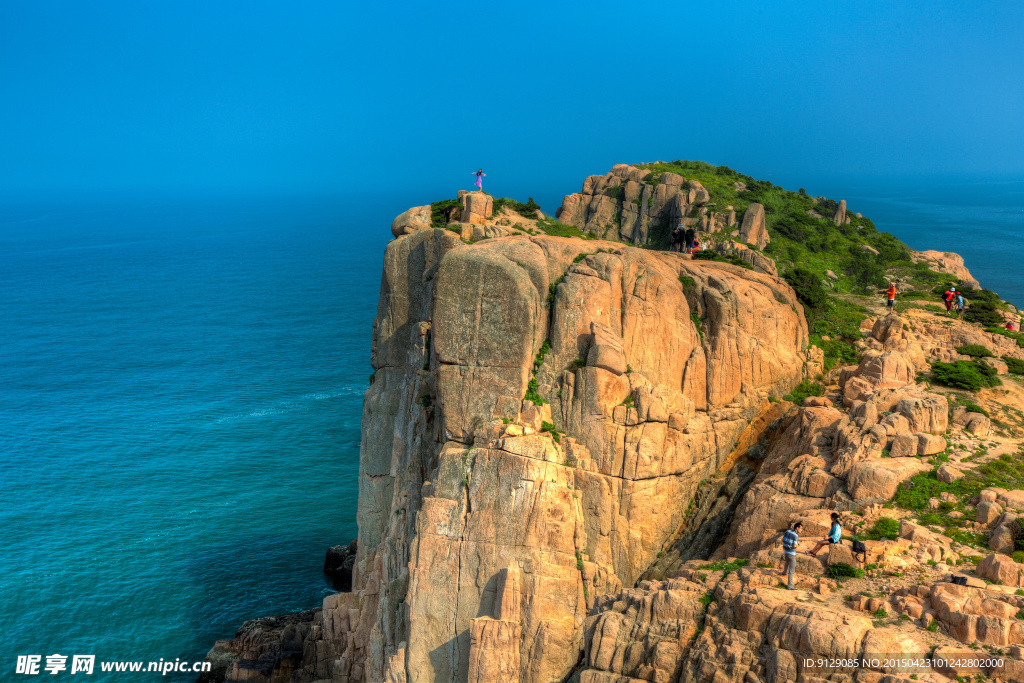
677,239
949,296
960,303
690,237
835,535
789,541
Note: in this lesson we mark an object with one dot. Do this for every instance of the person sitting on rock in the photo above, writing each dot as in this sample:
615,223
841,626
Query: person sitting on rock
1009,326
789,541
835,535
479,180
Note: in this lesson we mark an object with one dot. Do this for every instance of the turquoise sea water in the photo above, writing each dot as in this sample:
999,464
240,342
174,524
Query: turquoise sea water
181,393
179,416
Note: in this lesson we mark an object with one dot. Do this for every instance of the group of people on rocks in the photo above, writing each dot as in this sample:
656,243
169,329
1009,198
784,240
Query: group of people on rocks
791,538
684,240
954,301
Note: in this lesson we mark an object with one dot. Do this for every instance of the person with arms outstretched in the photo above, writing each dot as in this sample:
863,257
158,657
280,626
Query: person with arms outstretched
479,180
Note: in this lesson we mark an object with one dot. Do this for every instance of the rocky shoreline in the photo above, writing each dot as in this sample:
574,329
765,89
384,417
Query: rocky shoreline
576,464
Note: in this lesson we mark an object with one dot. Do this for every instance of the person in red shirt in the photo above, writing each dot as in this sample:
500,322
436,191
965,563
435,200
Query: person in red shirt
948,297
1009,326
891,294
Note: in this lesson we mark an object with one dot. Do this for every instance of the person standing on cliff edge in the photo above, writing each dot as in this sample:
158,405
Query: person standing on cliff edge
479,180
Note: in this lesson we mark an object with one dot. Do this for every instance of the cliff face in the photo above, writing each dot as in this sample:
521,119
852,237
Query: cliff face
560,433
486,534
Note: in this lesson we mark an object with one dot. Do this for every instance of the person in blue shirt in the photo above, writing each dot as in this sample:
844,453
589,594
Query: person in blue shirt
835,534
789,541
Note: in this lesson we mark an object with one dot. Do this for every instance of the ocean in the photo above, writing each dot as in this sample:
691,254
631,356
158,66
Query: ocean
181,397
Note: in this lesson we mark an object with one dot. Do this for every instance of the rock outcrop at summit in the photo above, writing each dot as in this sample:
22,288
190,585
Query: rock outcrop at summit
625,206
541,409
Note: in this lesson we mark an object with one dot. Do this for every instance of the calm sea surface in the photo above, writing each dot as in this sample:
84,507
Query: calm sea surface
181,392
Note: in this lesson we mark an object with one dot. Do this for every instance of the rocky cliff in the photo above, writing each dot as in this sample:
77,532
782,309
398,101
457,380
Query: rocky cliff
560,433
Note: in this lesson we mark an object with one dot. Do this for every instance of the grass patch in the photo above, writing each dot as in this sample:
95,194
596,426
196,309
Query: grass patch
803,390
552,227
841,570
884,528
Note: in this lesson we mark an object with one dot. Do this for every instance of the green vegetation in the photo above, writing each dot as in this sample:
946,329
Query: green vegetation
580,257
538,361
803,390
552,227
1014,365
437,210
531,393
962,374
1006,471
840,570
527,210
697,322
932,626
884,528
556,434
975,351
725,566
1016,336
1018,556
688,283
704,255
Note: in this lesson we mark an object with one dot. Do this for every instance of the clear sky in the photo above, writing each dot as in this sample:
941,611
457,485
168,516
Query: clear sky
413,96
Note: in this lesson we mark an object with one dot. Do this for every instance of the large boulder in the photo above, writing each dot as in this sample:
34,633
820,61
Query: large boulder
999,569
840,215
948,474
876,479
752,229
411,220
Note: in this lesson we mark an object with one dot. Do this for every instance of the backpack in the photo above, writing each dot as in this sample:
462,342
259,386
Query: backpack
859,547
691,234
958,580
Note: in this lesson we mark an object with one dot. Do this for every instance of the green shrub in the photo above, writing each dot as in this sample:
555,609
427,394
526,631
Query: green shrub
973,407
688,283
532,393
884,528
803,390
968,375
984,313
1018,556
839,570
975,351
1014,365
836,351
527,210
933,626
437,210
706,255
808,288
556,434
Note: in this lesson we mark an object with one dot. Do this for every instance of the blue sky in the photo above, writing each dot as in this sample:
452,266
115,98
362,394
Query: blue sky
412,97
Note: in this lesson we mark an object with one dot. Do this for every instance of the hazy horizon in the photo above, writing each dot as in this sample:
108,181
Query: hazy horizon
229,97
